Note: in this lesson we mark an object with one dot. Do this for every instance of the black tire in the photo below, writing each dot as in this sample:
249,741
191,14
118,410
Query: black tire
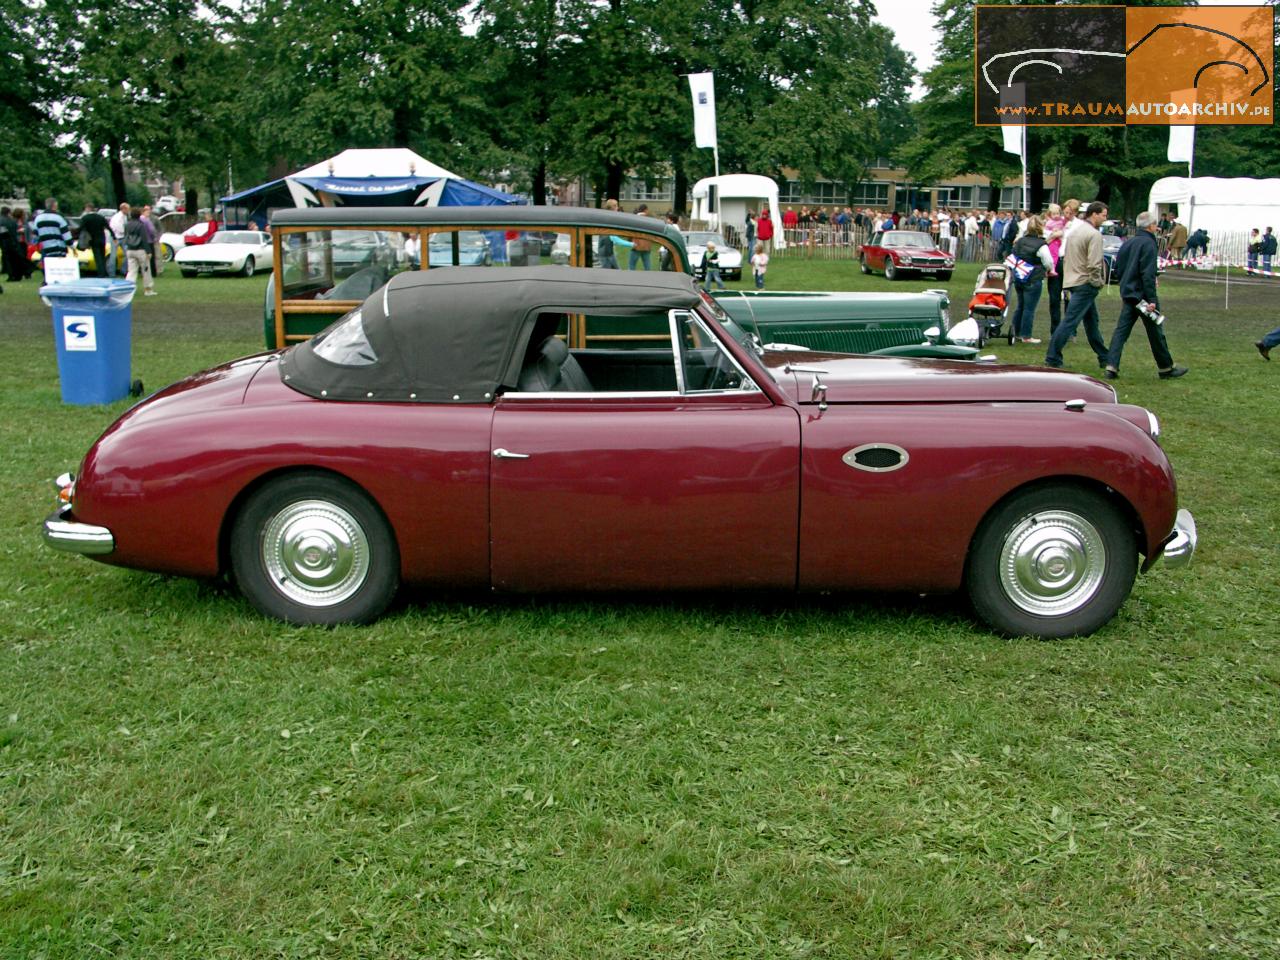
188,273
312,548
945,276
247,270
890,271
1051,561
862,262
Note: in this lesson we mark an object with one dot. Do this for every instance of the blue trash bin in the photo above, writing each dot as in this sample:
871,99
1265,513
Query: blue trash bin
93,333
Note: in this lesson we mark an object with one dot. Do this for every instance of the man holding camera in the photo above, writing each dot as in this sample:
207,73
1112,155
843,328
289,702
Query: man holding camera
1136,266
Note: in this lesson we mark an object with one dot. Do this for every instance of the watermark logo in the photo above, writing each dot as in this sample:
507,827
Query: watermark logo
1111,65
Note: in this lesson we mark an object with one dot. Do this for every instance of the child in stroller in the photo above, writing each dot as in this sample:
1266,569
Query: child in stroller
989,306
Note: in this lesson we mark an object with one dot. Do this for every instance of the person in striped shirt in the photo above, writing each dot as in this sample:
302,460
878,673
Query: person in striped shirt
53,233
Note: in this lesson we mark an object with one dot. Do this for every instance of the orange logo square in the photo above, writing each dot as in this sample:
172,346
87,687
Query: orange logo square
1199,65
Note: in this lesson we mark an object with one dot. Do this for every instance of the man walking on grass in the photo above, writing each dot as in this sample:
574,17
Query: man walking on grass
1082,278
1136,265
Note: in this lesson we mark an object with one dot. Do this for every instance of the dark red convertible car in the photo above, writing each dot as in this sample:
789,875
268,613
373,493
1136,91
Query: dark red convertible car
444,434
898,253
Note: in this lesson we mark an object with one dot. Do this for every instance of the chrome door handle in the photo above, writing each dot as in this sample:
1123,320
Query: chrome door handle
503,454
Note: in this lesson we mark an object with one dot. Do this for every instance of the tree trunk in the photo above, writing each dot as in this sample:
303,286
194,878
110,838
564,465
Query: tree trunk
680,189
540,183
117,170
191,201
613,181
1036,203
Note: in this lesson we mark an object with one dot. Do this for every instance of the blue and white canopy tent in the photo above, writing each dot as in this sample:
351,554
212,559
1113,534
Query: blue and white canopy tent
395,177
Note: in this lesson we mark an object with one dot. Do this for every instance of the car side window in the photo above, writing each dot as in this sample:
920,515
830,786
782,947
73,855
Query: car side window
702,363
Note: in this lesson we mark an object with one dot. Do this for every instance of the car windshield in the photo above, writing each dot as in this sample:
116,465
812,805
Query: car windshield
907,238
236,236
701,239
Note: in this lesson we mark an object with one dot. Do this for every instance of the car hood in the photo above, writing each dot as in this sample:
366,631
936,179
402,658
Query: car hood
219,251
856,379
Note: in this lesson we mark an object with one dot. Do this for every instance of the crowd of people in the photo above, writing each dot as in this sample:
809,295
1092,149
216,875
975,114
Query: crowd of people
128,239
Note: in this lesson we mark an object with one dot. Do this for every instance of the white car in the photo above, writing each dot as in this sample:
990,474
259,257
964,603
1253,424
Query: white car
228,251
171,243
696,241
166,204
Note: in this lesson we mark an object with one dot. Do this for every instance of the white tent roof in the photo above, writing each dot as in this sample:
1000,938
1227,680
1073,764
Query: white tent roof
739,185
389,162
1220,203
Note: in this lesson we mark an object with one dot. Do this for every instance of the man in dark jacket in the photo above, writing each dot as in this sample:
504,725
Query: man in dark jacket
94,226
1136,265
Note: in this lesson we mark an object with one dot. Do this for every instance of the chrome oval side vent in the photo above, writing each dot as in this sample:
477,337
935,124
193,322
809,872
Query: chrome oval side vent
876,457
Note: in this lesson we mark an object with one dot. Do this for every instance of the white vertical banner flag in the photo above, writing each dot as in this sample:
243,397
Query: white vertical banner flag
703,88
1012,133
1182,143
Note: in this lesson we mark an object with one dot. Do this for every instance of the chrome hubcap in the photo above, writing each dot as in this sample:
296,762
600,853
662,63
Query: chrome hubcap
316,553
1052,563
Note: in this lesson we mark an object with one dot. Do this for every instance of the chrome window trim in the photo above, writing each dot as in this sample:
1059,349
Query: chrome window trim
633,395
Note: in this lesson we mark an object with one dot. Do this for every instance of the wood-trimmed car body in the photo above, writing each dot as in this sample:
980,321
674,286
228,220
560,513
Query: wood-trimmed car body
443,434
313,282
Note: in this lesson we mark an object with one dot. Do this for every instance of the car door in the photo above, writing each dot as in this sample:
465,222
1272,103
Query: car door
875,253
660,490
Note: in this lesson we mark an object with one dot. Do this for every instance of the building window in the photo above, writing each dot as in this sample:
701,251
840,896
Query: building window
1011,198
636,189
873,194
823,193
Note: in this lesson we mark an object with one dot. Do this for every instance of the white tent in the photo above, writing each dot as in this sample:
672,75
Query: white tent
1218,204
734,195
388,162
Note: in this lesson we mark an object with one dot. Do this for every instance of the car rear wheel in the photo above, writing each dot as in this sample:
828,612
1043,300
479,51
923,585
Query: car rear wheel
1051,561
166,253
247,271
890,271
314,549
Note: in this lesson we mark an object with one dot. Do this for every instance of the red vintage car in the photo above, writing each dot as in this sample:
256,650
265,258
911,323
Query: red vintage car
444,434
898,253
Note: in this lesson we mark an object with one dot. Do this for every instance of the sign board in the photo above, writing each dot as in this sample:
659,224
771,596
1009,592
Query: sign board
79,332
61,269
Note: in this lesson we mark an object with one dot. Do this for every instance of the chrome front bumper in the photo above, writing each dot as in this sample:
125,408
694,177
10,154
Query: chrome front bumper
1181,547
72,537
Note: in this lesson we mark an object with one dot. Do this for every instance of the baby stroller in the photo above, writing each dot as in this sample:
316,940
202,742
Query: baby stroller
989,306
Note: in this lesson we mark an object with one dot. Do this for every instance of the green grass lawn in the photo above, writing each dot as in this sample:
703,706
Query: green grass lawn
644,777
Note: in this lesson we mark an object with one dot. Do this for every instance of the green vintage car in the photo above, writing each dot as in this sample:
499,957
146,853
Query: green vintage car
318,279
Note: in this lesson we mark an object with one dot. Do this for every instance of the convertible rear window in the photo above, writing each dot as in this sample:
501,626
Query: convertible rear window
345,343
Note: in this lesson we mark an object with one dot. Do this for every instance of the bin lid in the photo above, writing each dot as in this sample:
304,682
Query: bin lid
88,287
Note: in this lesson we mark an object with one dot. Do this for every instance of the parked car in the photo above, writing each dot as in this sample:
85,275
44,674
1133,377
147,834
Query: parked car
228,251
1111,244
166,204
730,257
911,324
196,234
901,252
443,433
473,249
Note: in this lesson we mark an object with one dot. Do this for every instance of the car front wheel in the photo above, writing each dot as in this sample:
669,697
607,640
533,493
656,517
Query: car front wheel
314,549
166,253
188,273
247,271
890,271
862,262
944,276
1051,561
